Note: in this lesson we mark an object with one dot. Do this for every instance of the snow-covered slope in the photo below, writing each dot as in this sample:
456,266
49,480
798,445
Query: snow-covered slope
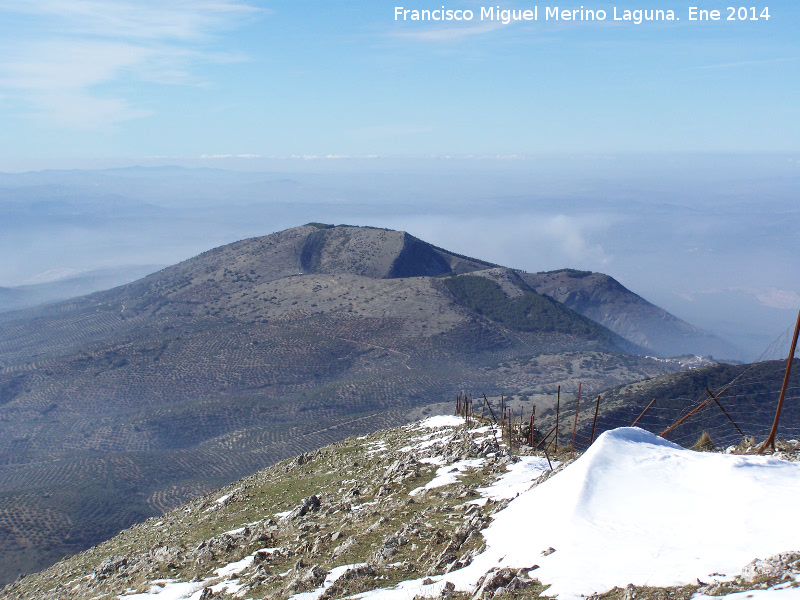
637,509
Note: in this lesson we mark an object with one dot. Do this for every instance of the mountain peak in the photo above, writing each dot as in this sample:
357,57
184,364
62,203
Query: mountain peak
322,248
167,387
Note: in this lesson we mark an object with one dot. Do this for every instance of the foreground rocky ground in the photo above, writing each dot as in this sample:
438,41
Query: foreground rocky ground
364,514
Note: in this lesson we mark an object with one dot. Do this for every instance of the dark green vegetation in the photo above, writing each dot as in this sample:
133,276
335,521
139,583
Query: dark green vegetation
129,402
528,312
604,300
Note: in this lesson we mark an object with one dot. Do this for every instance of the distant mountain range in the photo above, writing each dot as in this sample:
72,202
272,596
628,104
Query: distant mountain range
604,300
125,403
63,288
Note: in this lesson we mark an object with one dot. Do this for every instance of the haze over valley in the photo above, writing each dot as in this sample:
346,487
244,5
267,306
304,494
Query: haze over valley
678,230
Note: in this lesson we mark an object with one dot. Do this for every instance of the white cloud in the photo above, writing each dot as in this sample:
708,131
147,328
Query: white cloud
535,242
749,63
771,297
205,156
86,112
775,298
77,47
149,19
450,34
571,235
69,65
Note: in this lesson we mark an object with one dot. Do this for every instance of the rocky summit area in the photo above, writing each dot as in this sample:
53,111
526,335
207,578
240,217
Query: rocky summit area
402,513
388,506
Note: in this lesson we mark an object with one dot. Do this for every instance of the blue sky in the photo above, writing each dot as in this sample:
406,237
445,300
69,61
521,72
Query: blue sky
664,154
133,79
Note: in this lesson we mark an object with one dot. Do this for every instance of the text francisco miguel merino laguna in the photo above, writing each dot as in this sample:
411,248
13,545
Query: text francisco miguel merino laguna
548,13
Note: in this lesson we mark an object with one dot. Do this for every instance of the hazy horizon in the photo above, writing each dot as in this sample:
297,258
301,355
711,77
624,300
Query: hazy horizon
704,237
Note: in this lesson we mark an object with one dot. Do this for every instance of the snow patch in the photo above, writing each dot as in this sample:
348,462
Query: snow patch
234,531
440,421
330,579
441,441
638,509
169,589
433,460
775,593
234,568
518,478
376,447
449,474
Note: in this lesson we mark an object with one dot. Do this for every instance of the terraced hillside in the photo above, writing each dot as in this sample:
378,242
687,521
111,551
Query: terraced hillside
748,394
604,300
120,405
